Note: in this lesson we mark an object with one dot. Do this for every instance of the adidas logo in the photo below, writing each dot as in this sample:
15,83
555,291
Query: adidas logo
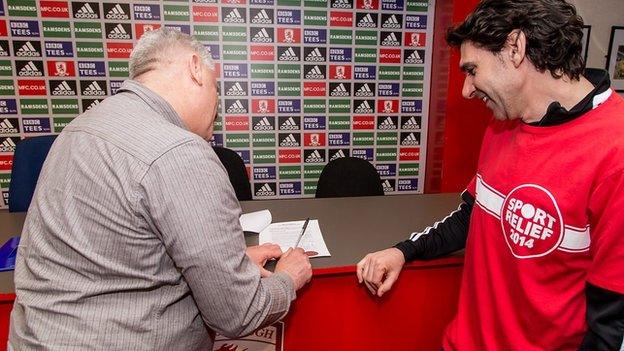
315,56
340,90
237,107
367,22
289,55
262,17
93,104
364,90
314,157
289,124
117,12
364,108
411,124
63,89
234,17
93,89
289,141
265,190
387,186
118,33
30,70
387,124
3,52
391,22
410,140
262,36
341,4
338,154
414,57
7,145
86,11
27,50
235,90
315,73
391,40
263,124
6,127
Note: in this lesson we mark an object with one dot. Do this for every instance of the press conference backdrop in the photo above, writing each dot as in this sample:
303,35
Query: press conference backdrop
301,81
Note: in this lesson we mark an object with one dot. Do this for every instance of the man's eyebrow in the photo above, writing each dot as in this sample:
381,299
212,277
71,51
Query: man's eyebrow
468,66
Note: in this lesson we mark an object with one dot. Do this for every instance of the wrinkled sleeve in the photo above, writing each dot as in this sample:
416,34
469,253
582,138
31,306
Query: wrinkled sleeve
190,201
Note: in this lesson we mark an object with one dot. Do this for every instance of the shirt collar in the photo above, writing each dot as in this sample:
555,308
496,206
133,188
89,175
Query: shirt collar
155,101
557,114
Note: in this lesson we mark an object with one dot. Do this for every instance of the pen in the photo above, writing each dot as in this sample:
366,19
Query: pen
305,225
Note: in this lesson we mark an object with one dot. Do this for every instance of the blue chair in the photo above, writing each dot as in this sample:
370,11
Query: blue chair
27,162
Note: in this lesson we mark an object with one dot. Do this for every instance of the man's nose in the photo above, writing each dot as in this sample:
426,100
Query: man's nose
468,88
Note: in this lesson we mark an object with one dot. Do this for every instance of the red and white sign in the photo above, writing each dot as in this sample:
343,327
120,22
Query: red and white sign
6,162
363,122
262,52
415,39
236,123
367,4
389,55
141,28
314,139
31,87
118,50
289,156
409,154
289,35
56,9
314,89
340,72
262,106
3,28
387,106
61,68
341,19
205,14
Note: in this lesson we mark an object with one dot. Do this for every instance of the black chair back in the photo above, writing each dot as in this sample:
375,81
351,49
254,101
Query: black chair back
236,170
348,177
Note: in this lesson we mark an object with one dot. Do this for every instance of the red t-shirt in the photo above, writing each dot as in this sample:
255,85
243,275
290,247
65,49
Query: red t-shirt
548,216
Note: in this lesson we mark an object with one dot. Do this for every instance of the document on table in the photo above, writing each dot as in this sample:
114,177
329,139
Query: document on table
255,221
285,234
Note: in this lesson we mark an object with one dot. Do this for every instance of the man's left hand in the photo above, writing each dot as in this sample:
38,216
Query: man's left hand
260,254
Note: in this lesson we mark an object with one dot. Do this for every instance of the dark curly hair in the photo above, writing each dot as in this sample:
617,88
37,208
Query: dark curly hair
552,27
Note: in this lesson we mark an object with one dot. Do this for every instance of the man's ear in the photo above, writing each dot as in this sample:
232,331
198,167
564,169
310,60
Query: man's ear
196,69
516,43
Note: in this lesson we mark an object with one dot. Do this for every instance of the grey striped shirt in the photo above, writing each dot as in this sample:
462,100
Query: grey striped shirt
132,241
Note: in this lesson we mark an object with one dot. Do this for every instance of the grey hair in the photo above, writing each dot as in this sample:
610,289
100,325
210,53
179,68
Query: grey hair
156,46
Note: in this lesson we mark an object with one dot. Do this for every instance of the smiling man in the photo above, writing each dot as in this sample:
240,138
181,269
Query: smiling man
541,220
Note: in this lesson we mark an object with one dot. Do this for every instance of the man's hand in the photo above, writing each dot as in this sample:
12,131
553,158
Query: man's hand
296,264
261,254
379,270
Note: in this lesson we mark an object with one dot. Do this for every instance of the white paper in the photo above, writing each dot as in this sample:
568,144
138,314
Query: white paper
255,221
285,234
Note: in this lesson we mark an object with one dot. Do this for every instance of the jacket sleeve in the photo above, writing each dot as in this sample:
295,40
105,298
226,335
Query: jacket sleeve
196,215
443,237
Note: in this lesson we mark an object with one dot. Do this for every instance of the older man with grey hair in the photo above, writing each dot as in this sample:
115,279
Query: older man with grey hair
132,240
